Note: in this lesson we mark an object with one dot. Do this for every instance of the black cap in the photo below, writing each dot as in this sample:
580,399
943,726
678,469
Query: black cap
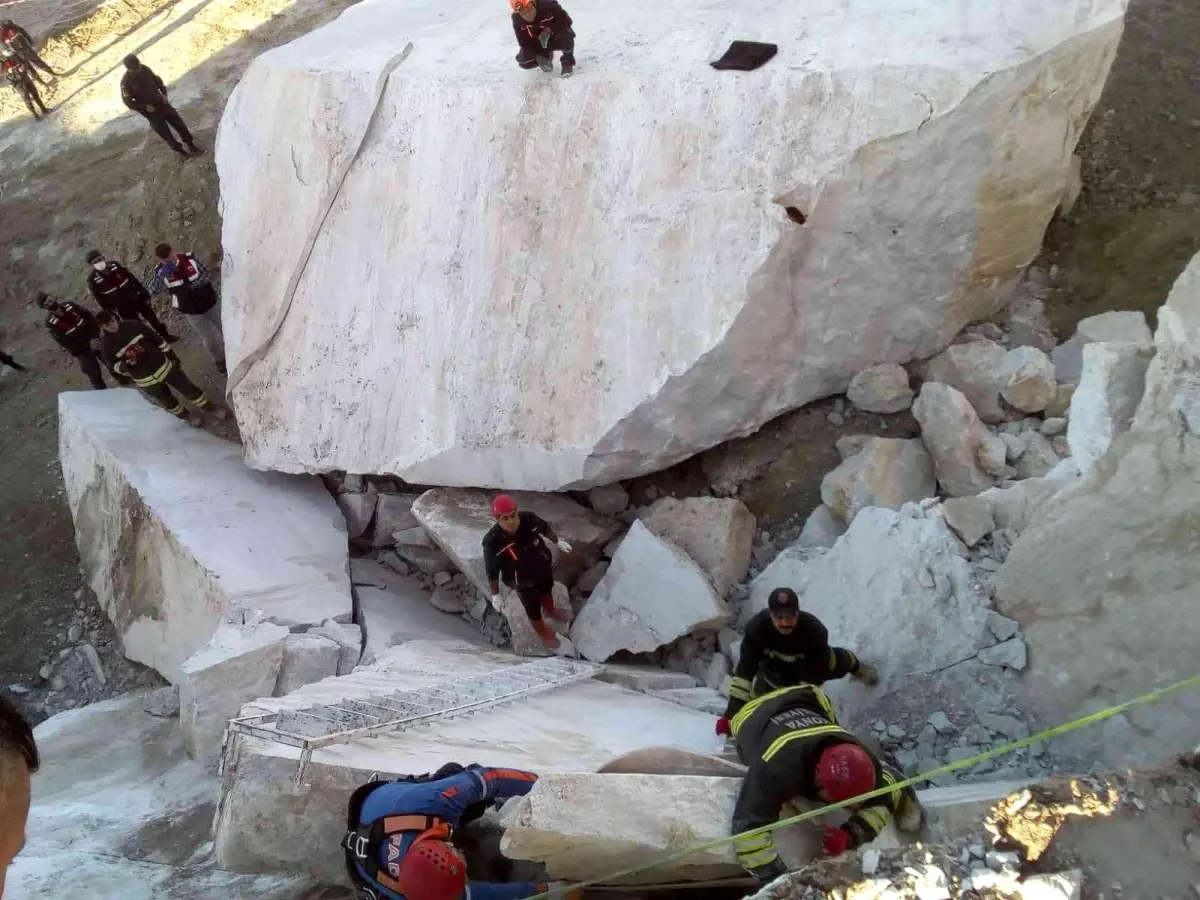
131,61
783,600
94,255
41,299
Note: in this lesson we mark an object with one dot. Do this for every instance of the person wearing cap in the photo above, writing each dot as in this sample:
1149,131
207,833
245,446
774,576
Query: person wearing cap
134,351
543,26
114,287
74,329
784,646
144,93
795,750
515,551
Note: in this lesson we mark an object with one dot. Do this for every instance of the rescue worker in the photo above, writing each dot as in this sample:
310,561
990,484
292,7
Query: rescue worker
190,285
543,26
7,360
783,646
795,750
18,41
514,551
16,73
116,288
137,352
74,329
397,841
144,93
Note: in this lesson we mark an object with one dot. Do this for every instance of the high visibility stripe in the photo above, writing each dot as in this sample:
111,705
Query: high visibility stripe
753,842
157,378
757,703
779,743
177,409
739,688
755,860
832,659
875,816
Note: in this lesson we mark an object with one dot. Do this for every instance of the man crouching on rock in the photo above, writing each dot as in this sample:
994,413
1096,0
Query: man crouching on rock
398,834
514,550
795,750
543,26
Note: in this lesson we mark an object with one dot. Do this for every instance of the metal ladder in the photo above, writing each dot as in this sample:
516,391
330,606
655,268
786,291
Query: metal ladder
351,720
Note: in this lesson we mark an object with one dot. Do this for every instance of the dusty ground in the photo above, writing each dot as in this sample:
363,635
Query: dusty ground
93,175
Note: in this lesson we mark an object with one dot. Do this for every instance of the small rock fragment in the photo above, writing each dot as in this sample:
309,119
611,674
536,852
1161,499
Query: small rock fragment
1027,379
608,499
1053,425
1010,653
881,389
870,861
941,724
1002,626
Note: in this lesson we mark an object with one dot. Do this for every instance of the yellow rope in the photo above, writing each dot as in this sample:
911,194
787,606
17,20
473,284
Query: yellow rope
1056,731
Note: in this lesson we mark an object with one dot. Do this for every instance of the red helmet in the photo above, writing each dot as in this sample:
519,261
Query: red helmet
433,870
518,5
503,505
845,771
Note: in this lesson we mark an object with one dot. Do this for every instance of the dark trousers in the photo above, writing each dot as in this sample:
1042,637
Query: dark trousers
182,385
537,597
35,62
564,42
91,362
33,100
163,119
10,362
141,308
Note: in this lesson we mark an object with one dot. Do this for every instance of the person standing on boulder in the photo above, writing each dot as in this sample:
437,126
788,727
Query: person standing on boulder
133,350
116,288
782,647
794,748
74,329
543,26
514,551
190,285
144,93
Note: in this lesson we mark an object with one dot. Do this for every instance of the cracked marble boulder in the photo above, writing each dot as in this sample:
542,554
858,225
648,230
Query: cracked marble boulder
483,277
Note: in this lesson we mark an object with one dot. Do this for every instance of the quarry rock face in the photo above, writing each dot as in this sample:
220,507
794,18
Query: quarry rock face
175,534
1104,580
559,284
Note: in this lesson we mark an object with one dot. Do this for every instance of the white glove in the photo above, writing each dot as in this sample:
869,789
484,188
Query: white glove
496,602
564,546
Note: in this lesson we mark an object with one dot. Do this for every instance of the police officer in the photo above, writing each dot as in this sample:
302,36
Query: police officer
397,842
783,646
74,329
116,288
189,283
135,351
17,40
514,550
16,73
794,748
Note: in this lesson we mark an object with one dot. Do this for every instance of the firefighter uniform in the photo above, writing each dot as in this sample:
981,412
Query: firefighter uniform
770,659
780,737
137,352
385,819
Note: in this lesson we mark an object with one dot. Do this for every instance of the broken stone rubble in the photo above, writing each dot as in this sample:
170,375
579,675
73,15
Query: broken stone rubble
1027,379
885,473
626,610
973,369
239,663
1117,326
1111,385
718,534
881,389
955,438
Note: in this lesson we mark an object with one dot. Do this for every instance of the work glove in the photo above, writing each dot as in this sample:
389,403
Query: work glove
496,602
544,38
867,674
545,63
836,841
563,546
723,726
768,873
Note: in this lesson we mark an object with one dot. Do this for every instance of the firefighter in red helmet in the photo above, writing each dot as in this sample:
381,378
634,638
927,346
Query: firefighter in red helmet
515,551
794,749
